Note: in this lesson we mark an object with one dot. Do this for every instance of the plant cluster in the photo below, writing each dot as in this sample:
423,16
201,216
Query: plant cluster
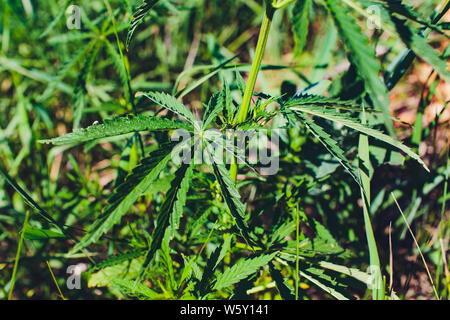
112,196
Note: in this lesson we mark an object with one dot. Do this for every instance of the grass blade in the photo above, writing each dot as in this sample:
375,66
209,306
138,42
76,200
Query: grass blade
417,245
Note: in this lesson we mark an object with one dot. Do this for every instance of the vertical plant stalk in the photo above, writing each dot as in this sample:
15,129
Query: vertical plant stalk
375,266
378,292
256,66
19,248
56,282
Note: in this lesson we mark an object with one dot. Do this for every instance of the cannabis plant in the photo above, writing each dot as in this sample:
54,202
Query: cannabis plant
189,215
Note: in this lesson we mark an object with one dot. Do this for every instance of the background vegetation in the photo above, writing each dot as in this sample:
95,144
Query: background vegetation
309,230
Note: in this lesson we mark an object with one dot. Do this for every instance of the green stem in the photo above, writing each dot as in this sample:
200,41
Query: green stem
256,66
363,153
19,248
54,280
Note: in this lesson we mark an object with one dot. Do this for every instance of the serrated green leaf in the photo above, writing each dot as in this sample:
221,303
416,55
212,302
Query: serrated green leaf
401,64
215,106
242,270
118,126
308,99
232,198
322,244
362,55
105,277
118,259
171,211
203,287
300,24
138,17
280,234
126,194
224,249
355,125
396,6
139,291
330,144
420,47
171,103
177,210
